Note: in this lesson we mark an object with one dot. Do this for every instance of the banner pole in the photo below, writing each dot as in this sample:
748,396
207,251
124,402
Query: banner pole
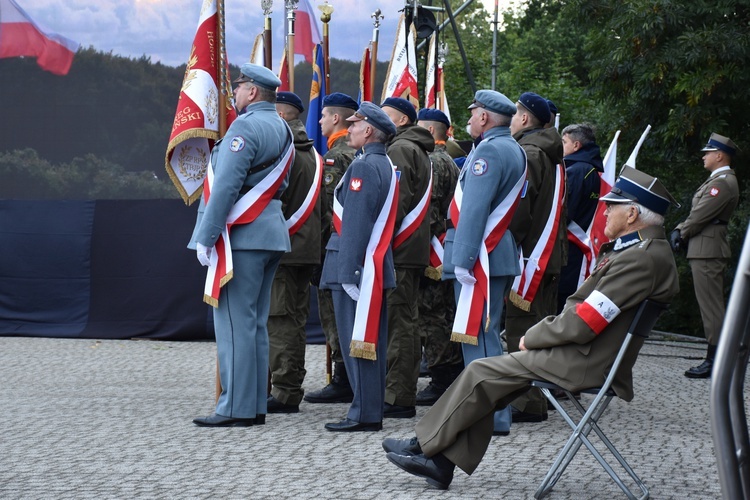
267,34
377,15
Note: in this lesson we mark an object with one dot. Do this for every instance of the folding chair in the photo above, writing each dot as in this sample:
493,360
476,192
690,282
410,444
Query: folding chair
644,320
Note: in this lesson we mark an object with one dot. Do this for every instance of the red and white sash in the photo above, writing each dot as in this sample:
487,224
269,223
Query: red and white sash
526,285
367,314
413,219
244,211
472,298
300,216
436,251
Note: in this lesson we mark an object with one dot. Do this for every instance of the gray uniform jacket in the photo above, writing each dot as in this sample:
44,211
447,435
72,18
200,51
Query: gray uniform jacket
488,175
565,350
705,229
255,138
362,202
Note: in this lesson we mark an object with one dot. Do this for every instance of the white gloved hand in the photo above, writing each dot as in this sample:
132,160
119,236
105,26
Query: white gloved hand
464,276
204,253
351,290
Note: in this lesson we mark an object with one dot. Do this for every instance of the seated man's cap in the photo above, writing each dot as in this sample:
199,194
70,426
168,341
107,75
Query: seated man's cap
494,101
339,100
537,105
402,105
375,116
258,75
290,98
552,109
720,143
639,187
433,115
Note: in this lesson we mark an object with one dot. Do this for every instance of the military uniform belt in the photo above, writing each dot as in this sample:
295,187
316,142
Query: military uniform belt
717,222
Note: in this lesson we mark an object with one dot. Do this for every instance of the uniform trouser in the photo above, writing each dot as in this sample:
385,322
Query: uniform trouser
708,281
240,323
328,323
437,309
518,321
367,377
290,307
488,341
404,341
459,424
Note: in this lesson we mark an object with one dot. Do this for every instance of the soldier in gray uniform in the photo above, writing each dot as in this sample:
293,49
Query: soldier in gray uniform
252,148
574,349
362,194
437,305
704,233
337,108
487,178
290,294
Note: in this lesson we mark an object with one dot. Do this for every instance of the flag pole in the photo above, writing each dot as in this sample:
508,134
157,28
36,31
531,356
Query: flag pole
325,17
377,15
222,85
291,6
326,10
267,35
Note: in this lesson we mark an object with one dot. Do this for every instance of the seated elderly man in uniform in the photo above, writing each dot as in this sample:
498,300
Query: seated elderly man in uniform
573,349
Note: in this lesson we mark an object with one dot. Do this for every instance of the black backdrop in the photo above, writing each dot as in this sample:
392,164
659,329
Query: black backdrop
109,269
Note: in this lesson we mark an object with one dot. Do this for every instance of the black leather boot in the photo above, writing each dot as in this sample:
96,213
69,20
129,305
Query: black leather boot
704,369
338,391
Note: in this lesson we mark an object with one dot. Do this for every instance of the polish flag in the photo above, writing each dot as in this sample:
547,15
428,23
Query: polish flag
401,79
21,36
306,31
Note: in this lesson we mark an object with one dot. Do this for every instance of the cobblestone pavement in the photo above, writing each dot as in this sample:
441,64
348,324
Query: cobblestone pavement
112,419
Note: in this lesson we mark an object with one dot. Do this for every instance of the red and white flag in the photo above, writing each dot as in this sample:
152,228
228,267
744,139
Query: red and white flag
401,78
365,84
21,36
594,237
306,31
196,122
435,81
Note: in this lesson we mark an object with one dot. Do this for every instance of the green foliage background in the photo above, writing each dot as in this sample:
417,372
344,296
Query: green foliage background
681,67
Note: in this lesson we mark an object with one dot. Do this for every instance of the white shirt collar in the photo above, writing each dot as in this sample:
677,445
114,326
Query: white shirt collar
719,170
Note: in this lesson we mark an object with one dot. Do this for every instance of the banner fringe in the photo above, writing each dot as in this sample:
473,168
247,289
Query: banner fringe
519,301
434,273
464,338
362,349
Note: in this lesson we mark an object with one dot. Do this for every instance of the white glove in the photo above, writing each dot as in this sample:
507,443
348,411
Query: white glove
352,290
464,276
204,253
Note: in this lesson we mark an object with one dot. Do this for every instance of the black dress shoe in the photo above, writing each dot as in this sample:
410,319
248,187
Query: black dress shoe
522,416
276,406
260,419
404,447
501,433
221,421
437,470
428,395
395,411
701,371
348,425
332,393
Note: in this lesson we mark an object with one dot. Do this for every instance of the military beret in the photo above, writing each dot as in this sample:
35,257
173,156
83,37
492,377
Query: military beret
375,116
552,108
433,115
720,143
536,104
494,101
402,105
339,100
639,187
290,98
258,75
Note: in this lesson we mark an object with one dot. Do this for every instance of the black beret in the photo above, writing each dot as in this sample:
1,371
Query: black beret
402,105
433,115
339,100
536,104
290,98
